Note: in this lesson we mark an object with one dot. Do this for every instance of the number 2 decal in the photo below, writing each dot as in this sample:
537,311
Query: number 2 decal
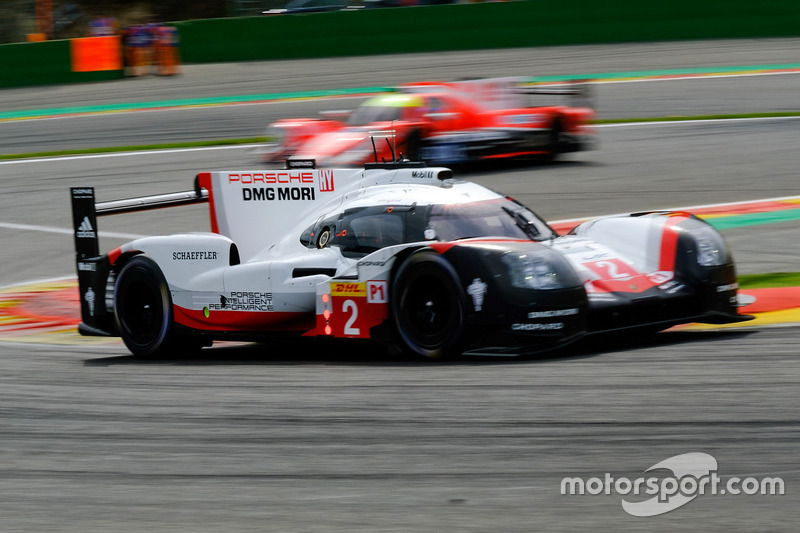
612,269
348,327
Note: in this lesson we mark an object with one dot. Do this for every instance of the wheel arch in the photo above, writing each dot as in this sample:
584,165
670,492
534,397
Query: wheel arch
413,341
123,259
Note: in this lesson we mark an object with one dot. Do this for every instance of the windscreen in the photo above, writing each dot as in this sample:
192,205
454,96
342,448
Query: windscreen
493,218
369,114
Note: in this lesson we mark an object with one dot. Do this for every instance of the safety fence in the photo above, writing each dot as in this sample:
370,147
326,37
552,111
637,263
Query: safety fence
482,26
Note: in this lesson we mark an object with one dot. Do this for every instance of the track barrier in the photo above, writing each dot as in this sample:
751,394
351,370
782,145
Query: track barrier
461,26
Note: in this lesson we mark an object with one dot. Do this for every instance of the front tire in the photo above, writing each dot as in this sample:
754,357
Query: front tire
427,306
143,308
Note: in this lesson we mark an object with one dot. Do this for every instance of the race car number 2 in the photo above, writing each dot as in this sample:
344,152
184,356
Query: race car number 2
357,307
350,306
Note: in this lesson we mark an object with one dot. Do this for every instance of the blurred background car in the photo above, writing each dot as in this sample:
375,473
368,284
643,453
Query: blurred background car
441,123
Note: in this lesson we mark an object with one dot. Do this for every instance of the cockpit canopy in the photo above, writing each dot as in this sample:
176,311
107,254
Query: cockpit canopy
385,108
362,230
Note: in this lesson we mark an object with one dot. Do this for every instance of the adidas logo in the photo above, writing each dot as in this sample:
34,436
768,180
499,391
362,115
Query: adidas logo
85,230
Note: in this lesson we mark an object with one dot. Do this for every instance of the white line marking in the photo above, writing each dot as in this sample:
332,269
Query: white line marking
690,121
62,231
125,154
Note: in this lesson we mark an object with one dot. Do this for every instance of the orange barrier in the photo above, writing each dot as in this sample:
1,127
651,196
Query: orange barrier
91,54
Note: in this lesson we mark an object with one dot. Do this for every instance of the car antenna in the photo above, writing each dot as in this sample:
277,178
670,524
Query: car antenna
391,148
394,143
384,134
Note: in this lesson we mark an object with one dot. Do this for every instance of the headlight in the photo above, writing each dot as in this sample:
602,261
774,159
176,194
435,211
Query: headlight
531,271
711,248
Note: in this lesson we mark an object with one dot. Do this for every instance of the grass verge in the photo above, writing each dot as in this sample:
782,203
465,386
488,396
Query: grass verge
774,280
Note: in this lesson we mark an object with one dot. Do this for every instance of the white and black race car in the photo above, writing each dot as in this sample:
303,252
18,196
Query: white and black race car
398,253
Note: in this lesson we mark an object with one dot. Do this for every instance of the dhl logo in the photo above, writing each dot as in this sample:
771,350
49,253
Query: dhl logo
348,289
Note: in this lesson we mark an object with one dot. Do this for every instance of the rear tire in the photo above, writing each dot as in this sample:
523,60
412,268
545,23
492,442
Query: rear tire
143,310
553,141
427,306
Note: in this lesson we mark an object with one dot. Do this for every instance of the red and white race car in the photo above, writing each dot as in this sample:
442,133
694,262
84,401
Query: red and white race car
402,254
442,124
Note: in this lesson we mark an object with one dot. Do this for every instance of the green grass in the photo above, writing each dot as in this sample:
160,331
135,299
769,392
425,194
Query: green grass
761,281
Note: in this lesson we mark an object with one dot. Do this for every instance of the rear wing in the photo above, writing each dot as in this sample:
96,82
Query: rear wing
93,268
581,92
506,92
85,211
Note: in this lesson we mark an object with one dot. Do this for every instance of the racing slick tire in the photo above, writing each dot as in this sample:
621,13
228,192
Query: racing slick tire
143,311
553,142
427,306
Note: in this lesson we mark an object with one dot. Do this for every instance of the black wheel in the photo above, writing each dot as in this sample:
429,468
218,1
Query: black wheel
553,141
427,306
143,308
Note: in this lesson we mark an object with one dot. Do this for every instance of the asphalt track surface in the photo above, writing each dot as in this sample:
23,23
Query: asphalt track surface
328,438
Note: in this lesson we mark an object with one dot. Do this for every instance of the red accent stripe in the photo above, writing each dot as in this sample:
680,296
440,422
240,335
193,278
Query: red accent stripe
514,154
114,254
442,247
243,320
669,242
204,180
636,284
